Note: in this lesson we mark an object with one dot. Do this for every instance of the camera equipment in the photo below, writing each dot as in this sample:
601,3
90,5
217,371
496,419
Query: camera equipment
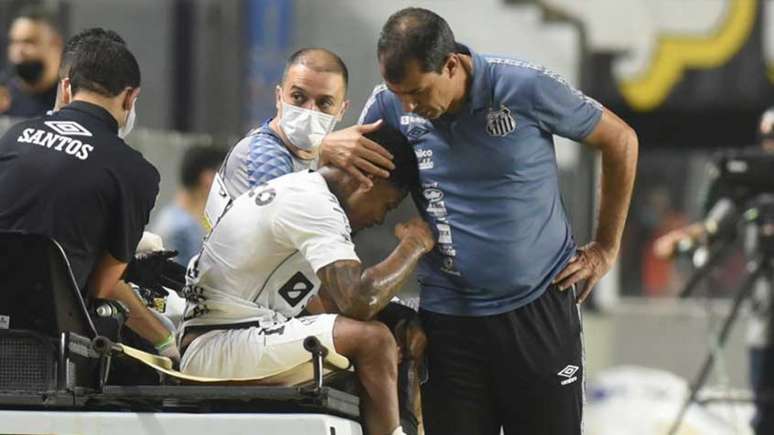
746,182
747,172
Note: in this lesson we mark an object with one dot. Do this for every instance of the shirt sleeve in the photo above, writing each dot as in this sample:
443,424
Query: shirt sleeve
563,110
374,107
267,161
317,227
136,196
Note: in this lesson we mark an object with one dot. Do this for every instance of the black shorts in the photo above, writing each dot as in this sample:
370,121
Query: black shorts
521,370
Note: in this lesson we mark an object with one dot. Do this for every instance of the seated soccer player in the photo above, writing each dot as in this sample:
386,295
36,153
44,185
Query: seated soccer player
279,244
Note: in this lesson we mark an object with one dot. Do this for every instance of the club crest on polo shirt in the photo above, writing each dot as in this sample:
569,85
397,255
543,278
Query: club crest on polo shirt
500,122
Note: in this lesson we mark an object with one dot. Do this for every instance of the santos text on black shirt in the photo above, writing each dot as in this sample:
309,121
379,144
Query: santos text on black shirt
69,176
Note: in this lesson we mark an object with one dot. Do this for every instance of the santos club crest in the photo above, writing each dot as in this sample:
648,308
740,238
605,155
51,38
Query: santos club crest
500,122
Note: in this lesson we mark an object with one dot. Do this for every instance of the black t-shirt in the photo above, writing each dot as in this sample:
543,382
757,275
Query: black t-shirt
69,176
27,105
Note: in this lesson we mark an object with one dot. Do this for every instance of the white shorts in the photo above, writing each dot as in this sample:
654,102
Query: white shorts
256,352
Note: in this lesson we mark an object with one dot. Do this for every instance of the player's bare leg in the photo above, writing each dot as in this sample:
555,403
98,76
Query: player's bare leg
372,349
412,342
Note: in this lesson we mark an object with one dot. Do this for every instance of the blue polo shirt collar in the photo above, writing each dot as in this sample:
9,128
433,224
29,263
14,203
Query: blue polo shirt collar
480,92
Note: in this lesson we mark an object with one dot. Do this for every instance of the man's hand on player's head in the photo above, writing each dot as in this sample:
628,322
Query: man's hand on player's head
351,151
590,264
417,230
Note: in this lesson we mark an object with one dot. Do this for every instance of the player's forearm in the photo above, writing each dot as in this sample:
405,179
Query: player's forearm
619,163
379,283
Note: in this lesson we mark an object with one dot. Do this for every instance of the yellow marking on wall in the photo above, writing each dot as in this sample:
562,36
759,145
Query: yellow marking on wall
770,72
675,53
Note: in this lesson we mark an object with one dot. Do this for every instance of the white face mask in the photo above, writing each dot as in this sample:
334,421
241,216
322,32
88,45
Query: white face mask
305,128
124,131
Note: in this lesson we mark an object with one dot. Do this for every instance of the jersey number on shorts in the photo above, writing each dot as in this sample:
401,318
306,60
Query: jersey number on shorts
296,289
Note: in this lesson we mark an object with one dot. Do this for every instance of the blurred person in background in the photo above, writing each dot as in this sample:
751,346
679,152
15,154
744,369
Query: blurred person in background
34,52
660,277
70,176
497,299
720,213
181,224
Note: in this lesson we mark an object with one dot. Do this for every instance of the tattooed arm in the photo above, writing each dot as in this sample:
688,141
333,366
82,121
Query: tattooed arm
360,294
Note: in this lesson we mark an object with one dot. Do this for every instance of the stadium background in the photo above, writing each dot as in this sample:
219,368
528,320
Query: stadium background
691,76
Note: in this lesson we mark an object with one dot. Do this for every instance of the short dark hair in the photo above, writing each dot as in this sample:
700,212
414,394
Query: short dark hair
72,45
320,60
104,66
198,159
405,176
40,14
414,34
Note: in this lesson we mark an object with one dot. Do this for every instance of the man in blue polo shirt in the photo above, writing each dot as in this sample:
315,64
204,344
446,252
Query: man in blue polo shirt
504,339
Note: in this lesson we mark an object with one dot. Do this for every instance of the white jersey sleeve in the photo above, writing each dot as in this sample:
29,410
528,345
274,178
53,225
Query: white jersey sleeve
317,227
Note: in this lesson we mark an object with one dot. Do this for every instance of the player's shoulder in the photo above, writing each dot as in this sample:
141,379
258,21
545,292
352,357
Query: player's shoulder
512,68
303,190
263,147
306,183
523,80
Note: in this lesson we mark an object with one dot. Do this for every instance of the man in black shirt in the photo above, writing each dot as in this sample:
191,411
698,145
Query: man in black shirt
34,52
69,175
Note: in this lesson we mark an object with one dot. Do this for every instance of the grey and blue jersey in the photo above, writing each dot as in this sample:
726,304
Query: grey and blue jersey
257,158
490,185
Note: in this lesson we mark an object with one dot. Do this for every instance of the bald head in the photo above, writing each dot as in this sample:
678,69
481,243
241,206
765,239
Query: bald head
318,60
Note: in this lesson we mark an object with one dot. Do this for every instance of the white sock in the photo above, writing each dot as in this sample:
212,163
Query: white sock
398,431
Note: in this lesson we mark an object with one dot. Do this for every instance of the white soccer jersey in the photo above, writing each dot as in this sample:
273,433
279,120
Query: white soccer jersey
260,261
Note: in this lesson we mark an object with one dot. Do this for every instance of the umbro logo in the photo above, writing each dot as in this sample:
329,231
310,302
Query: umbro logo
569,374
68,128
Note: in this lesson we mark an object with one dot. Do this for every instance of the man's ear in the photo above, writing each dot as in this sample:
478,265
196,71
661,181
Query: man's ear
344,107
363,188
129,97
65,91
278,98
452,64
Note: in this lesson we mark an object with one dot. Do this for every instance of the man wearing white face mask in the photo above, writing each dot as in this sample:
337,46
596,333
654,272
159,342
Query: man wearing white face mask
70,176
310,100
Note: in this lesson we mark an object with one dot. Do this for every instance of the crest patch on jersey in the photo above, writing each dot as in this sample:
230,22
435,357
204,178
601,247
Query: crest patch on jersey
500,122
296,289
